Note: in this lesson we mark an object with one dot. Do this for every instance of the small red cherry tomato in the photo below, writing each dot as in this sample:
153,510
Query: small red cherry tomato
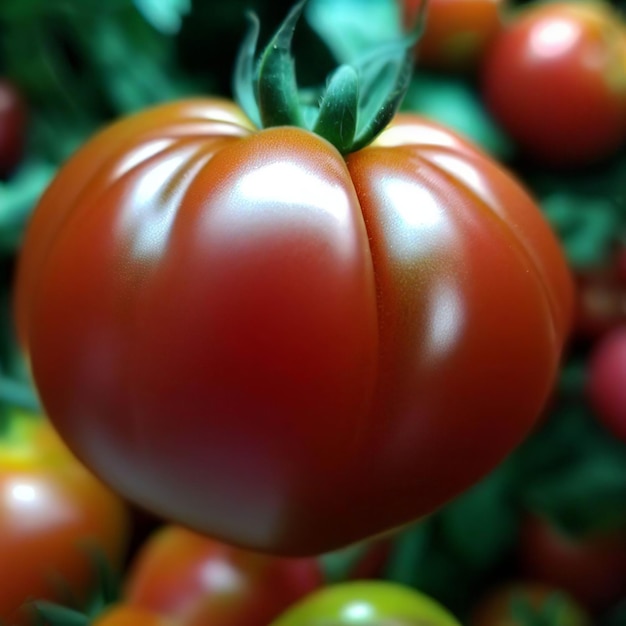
606,385
555,78
458,32
190,577
56,519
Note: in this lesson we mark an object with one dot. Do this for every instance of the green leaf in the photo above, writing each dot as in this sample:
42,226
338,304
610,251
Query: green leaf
337,118
17,394
384,88
352,27
456,103
588,226
409,550
338,565
165,15
360,99
481,525
278,98
53,615
574,472
18,197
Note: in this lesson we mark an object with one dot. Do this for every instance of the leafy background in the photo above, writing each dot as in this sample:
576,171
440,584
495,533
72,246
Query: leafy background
81,64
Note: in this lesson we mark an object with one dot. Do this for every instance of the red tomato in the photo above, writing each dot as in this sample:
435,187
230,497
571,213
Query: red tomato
555,78
606,385
12,126
53,515
458,32
592,568
280,347
497,608
191,577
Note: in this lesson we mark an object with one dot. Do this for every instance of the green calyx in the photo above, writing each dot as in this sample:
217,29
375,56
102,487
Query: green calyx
357,103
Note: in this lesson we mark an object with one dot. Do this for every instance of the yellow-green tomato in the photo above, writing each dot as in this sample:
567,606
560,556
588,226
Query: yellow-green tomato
366,603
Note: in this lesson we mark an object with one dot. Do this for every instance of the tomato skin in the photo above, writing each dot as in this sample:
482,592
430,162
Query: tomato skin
343,321
458,32
190,577
52,512
555,78
592,568
12,126
606,384
366,603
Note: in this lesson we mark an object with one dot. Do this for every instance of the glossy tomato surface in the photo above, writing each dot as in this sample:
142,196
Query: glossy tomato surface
190,577
555,78
55,517
245,333
367,603
458,32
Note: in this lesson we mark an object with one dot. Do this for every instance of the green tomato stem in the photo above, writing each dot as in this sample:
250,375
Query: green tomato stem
359,101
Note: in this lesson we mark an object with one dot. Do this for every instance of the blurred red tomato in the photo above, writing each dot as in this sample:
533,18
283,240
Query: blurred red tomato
591,568
12,126
555,78
54,516
206,583
606,385
458,32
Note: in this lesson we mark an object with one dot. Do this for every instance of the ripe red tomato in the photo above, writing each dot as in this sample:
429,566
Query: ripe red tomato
243,331
555,78
53,515
458,32
202,582
498,607
591,568
606,384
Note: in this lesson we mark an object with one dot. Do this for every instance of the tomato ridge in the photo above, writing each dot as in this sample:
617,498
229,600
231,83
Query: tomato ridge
519,245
